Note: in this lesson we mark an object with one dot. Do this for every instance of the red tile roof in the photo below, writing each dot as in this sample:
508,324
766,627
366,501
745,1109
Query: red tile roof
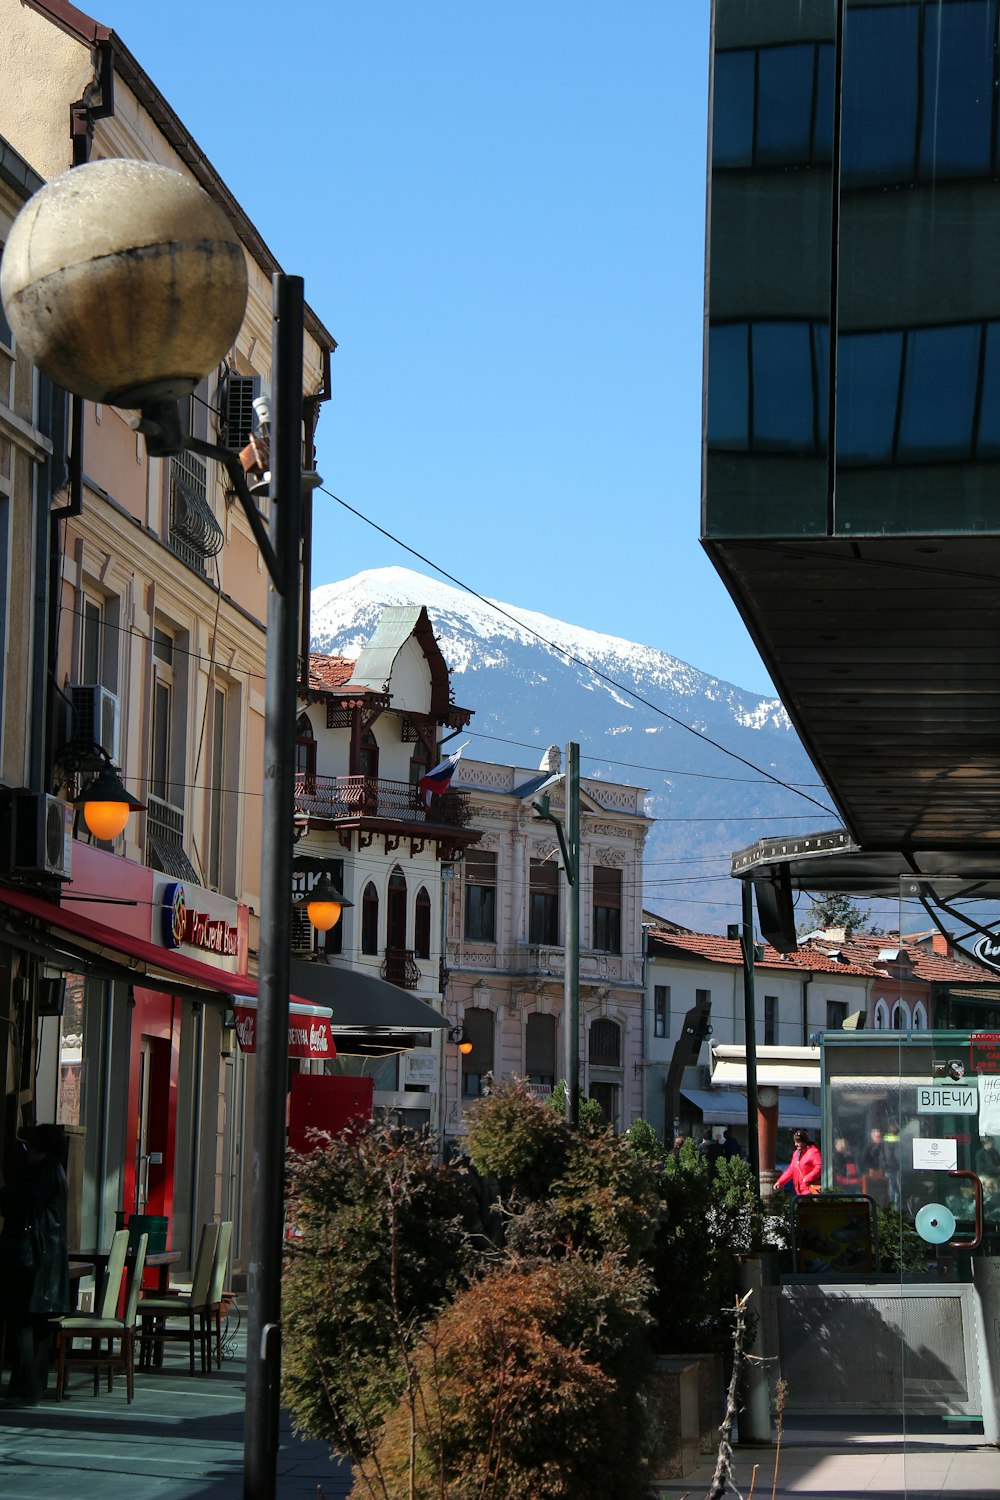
327,672
720,950
924,963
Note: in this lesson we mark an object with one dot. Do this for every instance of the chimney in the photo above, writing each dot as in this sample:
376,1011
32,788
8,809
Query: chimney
941,944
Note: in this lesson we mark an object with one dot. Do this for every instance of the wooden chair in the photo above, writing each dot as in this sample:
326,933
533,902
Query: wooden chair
105,1327
156,1312
218,1283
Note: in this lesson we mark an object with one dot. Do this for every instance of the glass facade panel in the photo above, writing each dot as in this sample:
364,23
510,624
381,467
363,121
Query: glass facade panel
958,89
868,384
941,373
732,124
879,128
729,387
783,389
988,434
786,76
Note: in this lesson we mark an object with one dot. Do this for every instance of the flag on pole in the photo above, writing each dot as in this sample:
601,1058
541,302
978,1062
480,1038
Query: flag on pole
438,780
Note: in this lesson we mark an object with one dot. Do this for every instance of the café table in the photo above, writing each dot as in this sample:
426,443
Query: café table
159,1261
78,1269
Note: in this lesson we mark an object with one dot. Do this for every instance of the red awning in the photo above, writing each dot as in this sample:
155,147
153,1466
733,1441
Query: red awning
139,955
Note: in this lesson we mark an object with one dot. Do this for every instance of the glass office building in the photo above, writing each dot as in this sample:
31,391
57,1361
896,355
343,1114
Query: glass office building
854,339
851,474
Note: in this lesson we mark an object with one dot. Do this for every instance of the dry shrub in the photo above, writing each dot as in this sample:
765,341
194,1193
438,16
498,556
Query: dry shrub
529,1384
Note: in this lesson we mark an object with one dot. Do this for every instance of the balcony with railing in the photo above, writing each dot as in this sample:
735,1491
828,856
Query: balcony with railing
340,799
399,967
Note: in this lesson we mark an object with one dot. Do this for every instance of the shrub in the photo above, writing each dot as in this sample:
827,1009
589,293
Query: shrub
517,1140
383,1245
529,1384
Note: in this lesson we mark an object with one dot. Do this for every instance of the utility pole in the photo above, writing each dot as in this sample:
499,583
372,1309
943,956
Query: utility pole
268,1205
750,1029
569,846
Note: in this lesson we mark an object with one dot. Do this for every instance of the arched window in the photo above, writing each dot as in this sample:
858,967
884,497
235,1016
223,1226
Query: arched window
920,1016
605,1044
881,1016
477,1063
395,922
422,925
305,749
369,919
900,1016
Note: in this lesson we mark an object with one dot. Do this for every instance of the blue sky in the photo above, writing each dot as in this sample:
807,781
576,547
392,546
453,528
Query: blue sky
499,213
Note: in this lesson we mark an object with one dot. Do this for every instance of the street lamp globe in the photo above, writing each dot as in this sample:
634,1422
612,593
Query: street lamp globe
124,282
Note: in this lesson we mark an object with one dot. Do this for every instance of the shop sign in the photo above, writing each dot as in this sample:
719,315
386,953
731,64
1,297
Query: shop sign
308,1036
948,1098
182,924
987,950
421,1067
938,1155
984,1052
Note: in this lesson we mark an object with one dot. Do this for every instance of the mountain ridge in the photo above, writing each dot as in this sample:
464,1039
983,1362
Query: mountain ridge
533,681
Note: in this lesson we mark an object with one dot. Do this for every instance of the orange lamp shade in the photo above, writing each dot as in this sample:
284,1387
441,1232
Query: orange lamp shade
323,914
465,1046
106,819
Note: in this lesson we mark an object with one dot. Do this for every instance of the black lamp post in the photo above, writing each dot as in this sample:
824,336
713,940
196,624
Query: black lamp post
88,252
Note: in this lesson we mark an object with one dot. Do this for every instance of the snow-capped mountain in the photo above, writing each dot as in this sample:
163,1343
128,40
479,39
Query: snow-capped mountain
640,716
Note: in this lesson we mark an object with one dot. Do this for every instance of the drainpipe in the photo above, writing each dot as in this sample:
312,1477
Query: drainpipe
199,1073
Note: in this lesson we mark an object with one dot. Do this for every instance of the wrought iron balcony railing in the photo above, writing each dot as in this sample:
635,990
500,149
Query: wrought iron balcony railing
399,967
334,798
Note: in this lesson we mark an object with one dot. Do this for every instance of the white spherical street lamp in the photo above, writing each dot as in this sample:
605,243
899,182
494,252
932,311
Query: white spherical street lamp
124,282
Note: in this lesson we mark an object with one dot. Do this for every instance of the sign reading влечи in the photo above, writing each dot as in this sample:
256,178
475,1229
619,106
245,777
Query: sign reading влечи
949,1098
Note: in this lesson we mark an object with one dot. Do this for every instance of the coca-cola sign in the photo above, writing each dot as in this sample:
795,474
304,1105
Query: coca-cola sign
308,1036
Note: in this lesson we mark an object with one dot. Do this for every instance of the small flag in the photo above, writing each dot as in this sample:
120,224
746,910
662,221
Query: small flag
439,779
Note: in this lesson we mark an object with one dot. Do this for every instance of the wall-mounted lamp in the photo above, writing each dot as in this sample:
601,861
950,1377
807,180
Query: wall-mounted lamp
458,1038
323,904
106,804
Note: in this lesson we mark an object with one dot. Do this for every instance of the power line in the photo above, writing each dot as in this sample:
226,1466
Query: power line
577,661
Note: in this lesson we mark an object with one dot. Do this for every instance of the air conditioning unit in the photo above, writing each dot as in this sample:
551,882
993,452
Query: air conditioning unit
96,718
43,836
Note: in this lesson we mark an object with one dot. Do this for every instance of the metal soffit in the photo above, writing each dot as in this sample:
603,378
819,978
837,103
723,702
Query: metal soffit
886,654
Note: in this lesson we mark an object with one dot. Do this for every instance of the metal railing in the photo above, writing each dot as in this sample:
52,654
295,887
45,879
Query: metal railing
336,797
399,967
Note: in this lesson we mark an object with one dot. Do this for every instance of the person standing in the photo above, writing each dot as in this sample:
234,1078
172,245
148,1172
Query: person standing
709,1149
34,1231
730,1145
845,1169
805,1168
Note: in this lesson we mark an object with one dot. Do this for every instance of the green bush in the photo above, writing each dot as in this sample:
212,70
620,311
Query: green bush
383,1246
515,1139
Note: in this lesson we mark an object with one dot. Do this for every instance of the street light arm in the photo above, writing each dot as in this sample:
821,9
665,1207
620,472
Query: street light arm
160,424
542,812
234,468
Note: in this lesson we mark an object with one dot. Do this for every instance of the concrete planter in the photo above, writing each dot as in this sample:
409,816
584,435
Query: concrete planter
687,1397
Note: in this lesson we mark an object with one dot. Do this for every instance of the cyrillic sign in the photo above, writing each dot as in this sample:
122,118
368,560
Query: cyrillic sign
308,1036
948,1098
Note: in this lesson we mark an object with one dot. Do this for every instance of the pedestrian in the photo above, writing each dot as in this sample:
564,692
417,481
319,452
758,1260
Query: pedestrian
988,1158
805,1168
730,1145
709,1149
34,1261
845,1168
678,1143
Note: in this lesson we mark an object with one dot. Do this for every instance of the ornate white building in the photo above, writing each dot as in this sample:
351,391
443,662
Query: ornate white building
505,952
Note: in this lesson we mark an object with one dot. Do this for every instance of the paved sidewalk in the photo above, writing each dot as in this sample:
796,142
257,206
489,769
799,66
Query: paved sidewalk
181,1438
828,1462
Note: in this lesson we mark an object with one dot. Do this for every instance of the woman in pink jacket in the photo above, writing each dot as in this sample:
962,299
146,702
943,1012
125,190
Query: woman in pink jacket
805,1168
